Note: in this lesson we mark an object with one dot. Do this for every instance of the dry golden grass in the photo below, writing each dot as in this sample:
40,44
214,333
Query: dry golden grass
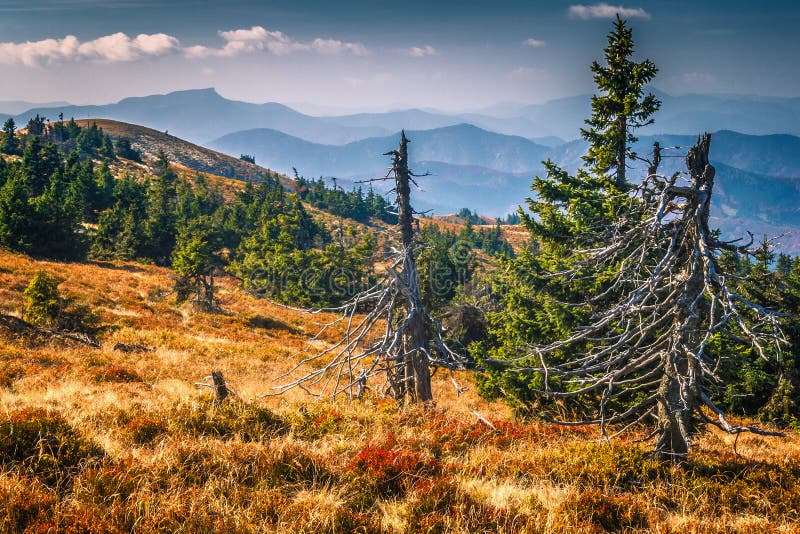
97,440
514,234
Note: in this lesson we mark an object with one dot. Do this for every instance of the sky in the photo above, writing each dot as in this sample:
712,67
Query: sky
349,55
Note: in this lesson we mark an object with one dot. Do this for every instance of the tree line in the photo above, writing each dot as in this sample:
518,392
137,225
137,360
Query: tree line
59,199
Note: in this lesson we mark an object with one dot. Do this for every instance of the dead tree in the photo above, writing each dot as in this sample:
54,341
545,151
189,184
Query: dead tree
218,385
648,360
389,333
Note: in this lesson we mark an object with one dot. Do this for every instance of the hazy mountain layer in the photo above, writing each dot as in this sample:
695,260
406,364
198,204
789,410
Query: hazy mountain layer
202,115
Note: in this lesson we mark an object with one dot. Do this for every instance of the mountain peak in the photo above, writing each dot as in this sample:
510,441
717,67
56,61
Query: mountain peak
187,95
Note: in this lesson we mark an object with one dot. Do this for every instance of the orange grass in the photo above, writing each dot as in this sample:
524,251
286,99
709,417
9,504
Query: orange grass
98,440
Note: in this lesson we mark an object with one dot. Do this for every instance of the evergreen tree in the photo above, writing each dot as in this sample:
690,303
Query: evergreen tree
104,183
16,214
621,106
58,212
194,261
36,125
159,224
125,150
119,234
39,162
561,220
43,303
10,144
784,264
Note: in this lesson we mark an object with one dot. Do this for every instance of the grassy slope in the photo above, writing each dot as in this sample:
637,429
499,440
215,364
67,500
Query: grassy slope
515,234
184,153
125,442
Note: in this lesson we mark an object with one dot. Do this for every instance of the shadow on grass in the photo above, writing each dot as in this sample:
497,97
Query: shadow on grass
117,267
268,323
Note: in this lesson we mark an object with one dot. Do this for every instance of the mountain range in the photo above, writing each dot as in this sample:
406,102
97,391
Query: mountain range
202,115
486,160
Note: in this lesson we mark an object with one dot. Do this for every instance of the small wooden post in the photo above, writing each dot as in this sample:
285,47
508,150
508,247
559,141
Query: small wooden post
219,386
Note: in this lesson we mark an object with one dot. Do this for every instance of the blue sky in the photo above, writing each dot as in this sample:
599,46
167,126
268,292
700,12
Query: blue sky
378,54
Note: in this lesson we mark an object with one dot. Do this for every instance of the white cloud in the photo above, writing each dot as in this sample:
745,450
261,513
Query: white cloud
422,51
606,11
118,47
113,48
334,46
533,42
256,33
258,38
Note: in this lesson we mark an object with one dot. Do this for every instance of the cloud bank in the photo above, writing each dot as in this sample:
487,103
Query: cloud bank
114,48
606,11
259,38
119,47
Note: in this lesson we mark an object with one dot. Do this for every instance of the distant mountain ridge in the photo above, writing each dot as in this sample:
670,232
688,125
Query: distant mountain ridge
462,144
758,185
202,115
14,107
485,160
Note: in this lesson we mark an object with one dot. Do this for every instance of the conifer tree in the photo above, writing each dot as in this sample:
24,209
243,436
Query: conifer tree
36,125
195,260
16,214
43,302
621,105
10,143
159,224
562,218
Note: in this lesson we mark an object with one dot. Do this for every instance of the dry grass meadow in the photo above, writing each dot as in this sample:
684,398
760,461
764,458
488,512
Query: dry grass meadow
100,440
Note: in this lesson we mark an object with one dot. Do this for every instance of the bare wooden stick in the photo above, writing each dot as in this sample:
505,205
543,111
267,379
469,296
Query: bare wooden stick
217,384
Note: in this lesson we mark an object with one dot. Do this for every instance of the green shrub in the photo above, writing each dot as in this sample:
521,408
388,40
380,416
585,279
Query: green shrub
43,302
45,307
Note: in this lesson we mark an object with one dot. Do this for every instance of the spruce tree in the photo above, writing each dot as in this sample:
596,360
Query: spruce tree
195,260
16,214
561,219
159,224
43,302
10,144
620,107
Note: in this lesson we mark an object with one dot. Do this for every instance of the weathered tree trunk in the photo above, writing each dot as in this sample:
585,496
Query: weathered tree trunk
219,387
680,389
417,365
679,392
653,167
623,128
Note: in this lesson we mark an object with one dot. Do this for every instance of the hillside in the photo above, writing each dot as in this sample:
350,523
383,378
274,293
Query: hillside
183,153
119,438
